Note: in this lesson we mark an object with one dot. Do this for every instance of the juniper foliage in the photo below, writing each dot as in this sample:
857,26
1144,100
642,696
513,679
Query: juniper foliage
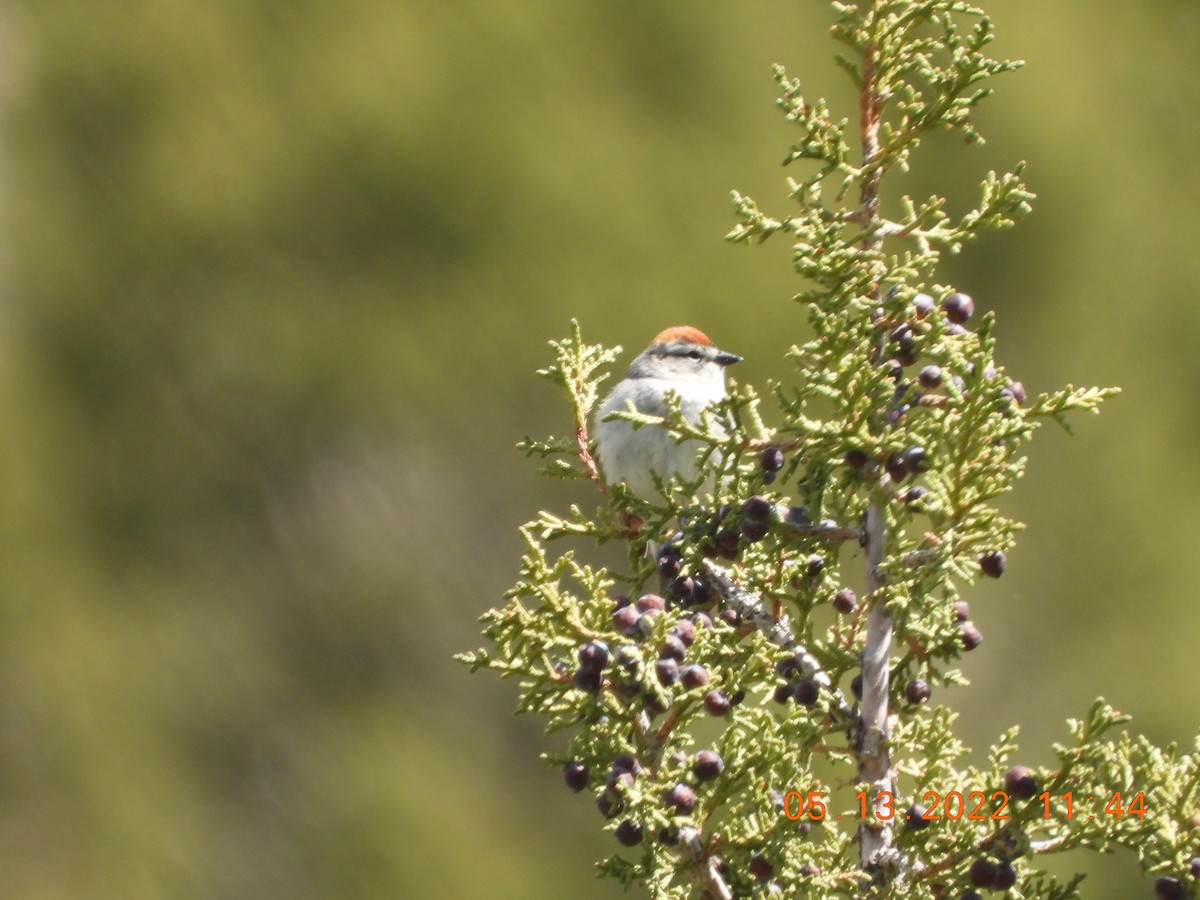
899,430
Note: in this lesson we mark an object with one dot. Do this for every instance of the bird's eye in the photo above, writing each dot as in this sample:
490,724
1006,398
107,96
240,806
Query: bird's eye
694,354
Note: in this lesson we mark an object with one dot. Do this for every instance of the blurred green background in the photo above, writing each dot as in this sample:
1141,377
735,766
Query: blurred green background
276,277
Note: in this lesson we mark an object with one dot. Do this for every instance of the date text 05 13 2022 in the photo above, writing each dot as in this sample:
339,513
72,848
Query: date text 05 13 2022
973,806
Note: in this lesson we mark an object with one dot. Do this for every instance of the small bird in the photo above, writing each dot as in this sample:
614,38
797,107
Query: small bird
680,359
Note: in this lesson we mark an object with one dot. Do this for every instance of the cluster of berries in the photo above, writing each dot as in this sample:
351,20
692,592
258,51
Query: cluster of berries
902,349
679,800
622,670
717,539
984,872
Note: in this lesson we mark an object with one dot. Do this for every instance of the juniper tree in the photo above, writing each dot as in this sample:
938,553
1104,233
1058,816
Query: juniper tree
765,727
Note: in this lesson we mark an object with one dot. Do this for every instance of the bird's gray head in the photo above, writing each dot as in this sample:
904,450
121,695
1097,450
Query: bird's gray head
684,353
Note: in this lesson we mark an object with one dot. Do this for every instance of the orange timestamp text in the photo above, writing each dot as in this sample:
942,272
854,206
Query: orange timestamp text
974,806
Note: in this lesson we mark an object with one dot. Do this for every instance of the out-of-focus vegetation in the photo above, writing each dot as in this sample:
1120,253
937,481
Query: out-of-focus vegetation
276,275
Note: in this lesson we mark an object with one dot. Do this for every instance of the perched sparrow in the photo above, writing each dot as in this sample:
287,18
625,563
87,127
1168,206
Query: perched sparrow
682,360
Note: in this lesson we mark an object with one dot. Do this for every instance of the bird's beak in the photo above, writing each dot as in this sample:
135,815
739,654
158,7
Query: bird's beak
726,359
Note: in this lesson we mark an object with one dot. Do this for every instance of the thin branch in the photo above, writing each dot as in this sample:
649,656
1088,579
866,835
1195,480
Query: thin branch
1051,845
776,629
710,863
874,765
585,456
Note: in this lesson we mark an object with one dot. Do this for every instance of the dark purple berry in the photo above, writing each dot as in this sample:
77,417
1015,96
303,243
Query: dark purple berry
593,656
958,307
923,305
906,345
754,531
575,774
668,836
669,561
788,666
683,589
685,630
731,617
930,377
896,467
625,620
737,697
628,832
647,602
892,368
609,804
654,703
992,563
708,765
845,601
1194,866
1020,784
970,895
917,691
855,459
620,782
628,690
806,692
771,459
893,416
808,870
702,619
693,676
756,509
1018,392
667,671
856,685
626,762
768,477
970,636
727,543
761,868
982,873
962,611
587,680
716,702
1166,888
915,459
1006,876
914,818
620,602
672,648
816,564
682,798
913,495
783,694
